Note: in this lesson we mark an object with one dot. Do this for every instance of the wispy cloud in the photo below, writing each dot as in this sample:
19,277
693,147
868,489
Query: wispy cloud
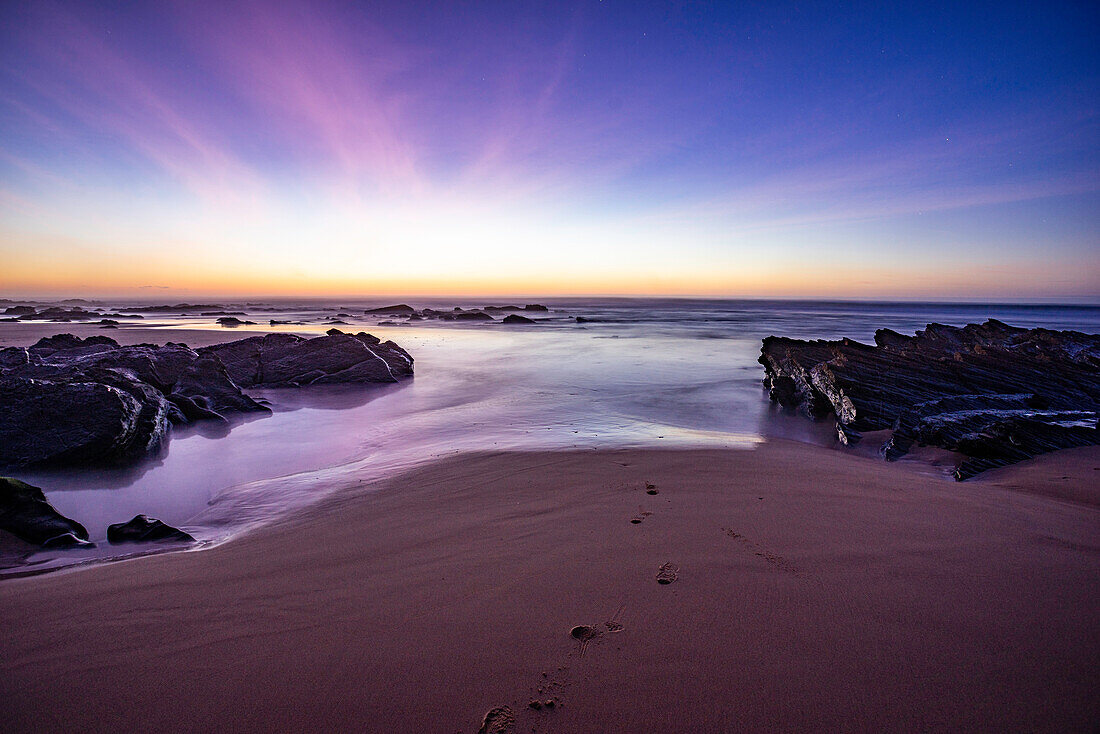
252,127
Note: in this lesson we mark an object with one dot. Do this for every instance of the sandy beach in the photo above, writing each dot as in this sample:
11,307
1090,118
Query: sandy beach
811,590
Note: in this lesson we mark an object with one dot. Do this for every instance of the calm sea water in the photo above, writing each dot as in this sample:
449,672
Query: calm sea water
636,373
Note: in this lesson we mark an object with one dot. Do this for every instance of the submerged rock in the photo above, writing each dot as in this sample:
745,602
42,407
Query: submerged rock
26,514
995,393
144,529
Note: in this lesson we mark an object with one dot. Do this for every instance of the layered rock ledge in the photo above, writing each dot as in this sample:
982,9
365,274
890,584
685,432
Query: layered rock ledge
67,401
995,393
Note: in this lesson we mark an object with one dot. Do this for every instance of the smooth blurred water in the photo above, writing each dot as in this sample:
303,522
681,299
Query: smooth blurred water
638,373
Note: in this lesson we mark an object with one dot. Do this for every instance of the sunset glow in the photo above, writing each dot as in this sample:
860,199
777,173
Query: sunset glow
324,149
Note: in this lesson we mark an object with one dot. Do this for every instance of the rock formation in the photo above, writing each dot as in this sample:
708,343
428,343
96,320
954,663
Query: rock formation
400,308
289,360
995,393
517,319
19,310
528,307
177,308
26,514
144,529
455,314
72,401
61,313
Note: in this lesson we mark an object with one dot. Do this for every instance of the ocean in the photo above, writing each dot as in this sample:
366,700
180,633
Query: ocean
630,373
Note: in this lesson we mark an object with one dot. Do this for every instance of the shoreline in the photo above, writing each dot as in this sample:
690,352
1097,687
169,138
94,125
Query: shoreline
857,596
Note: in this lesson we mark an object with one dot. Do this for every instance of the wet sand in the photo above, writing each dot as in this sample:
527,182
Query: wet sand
150,331
810,590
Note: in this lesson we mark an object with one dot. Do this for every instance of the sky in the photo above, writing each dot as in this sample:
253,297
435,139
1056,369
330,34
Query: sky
937,151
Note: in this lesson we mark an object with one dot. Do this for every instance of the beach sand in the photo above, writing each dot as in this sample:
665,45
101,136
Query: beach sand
811,590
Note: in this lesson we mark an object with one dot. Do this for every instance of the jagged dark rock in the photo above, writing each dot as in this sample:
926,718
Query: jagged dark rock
45,422
67,401
26,514
473,316
233,321
289,360
204,390
517,319
995,393
144,529
72,401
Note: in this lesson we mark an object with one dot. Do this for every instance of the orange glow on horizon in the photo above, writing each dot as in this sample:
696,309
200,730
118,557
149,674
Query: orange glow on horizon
111,279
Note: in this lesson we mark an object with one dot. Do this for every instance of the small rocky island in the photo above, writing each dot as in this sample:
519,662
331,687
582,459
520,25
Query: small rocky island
67,401
995,393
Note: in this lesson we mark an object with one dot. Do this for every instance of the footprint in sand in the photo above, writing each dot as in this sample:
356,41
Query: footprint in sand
500,720
585,633
776,560
613,624
667,573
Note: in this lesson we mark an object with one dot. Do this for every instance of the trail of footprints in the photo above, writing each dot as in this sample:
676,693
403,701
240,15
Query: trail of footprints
547,694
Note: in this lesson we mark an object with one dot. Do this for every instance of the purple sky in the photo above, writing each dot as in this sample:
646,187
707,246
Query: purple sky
598,147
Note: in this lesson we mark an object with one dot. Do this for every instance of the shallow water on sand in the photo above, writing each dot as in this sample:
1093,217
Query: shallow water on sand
637,374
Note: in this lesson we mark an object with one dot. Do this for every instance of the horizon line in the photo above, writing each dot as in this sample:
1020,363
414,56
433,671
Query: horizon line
1082,301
